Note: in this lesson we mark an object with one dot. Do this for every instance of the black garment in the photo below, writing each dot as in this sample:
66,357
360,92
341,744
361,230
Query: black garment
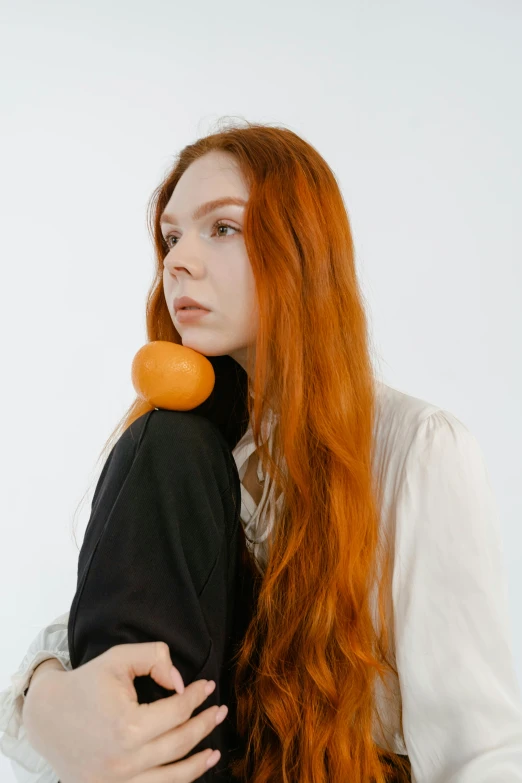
163,557
164,554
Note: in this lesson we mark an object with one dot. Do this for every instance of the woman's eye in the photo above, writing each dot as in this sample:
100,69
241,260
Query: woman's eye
218,224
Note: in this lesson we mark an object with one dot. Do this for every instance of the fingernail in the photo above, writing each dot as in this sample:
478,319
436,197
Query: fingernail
214,756
221,714
209,687
177,680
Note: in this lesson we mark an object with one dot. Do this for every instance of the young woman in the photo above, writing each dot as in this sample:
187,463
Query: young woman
323,546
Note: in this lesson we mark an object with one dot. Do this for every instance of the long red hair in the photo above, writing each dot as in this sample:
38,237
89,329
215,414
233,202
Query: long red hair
308,664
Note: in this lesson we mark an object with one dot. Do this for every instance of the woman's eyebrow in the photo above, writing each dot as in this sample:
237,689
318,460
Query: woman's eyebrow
204,209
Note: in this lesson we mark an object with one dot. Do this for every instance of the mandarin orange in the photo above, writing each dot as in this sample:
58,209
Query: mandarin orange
172,376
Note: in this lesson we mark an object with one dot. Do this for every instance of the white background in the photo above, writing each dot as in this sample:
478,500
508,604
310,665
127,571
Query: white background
416,107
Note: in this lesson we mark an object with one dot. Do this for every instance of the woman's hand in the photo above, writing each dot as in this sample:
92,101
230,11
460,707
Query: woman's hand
88,725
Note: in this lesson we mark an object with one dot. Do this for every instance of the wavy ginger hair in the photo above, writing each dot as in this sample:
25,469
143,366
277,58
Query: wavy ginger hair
307,666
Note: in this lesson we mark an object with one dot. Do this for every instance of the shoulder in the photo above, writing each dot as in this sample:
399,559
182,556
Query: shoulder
406,426
399,414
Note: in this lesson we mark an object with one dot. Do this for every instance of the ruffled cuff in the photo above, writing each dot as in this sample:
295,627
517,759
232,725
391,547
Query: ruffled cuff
28,765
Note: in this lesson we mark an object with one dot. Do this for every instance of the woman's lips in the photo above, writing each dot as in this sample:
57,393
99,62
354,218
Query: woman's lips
190,315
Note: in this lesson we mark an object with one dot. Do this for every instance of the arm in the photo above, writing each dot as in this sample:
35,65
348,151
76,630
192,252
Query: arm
49,663
49,645
462,708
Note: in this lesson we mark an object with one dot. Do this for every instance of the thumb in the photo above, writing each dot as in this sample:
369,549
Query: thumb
152,658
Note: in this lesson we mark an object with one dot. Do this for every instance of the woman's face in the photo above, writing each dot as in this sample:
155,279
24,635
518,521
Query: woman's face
209,263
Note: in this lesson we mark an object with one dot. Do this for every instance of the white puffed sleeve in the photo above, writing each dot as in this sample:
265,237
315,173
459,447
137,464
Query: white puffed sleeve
462,705
28,765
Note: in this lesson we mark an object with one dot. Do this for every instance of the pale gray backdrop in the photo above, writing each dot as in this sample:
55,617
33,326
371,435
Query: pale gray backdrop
415,105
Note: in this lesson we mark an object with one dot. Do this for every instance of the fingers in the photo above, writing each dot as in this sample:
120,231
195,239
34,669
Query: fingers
177,743
152,658
163,715
184,771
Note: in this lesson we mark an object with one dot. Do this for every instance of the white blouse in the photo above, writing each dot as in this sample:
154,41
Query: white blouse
460,698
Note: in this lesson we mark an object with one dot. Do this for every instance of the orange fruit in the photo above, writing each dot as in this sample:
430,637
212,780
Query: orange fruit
172,376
